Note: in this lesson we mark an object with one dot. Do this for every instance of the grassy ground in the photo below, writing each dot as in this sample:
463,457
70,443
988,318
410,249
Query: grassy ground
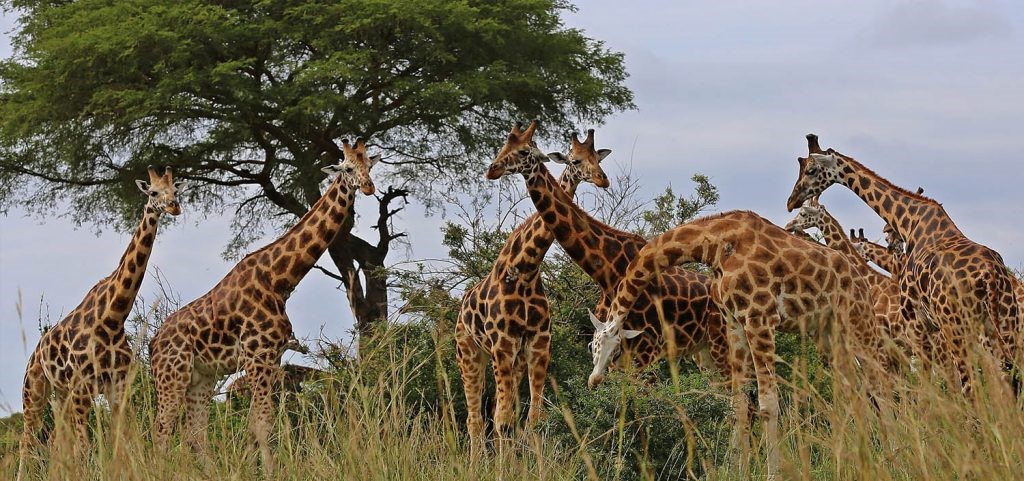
368,425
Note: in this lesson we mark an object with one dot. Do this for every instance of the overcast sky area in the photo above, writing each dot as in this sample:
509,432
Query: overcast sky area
926,93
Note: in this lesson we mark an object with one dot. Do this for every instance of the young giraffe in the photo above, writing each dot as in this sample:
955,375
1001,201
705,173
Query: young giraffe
241,323
949,283
766,279
87,354
675,314
885,291
887,258
505,317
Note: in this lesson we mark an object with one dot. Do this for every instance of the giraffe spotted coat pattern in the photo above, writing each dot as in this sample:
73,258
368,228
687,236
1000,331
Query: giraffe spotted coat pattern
87,353
241,323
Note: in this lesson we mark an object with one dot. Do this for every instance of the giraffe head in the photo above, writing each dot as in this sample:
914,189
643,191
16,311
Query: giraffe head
162,190
818,171
583,162
354,168
811,215
893,240
606,345
519,154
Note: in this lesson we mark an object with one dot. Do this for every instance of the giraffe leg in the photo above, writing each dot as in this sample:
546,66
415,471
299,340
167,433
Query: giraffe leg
172,372
472,360
35,397
739,375
79,402
264,375
197,413
760,333
538,355
504,356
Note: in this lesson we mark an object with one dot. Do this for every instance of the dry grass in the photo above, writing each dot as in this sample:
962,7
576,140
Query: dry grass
362,426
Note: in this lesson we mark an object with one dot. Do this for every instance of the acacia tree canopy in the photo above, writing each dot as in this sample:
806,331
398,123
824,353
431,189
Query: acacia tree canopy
248,99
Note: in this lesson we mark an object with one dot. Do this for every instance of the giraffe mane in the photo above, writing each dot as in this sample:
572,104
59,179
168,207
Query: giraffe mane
887,182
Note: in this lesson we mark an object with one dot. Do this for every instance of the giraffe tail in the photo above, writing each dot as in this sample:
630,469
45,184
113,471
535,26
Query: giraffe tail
1004,316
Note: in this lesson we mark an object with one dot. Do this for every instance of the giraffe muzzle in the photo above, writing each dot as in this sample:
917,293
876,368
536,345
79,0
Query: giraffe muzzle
494,172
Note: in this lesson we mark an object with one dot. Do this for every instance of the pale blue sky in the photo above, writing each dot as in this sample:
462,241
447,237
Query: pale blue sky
927,93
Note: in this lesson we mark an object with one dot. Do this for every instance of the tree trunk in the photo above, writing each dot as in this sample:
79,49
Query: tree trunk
361,265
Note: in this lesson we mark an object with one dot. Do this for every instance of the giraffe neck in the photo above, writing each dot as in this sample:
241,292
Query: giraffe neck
917,219
291,256
691,242
526,246
879,255
132,267
836,239
579,234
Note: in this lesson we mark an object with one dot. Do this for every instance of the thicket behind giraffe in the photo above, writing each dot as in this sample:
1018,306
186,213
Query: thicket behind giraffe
949,283
767,279
87,353
674,316
505,317
241,323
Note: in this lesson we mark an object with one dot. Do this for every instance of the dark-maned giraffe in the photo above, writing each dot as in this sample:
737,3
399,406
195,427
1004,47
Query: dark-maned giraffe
948,283
675,314
766,279
505,317
87,353
885,291
241,323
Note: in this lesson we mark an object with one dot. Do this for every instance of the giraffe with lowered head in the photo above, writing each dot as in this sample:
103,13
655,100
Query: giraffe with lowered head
949,283
241,323
505,317
674,316
87,353
766,279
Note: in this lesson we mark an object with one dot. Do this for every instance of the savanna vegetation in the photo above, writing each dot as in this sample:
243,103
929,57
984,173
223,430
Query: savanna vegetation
246,100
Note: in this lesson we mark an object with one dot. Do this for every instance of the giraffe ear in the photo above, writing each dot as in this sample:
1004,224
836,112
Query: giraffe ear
598,325
180,185
143,185
374,160
630,334
558,157
602,153
333,169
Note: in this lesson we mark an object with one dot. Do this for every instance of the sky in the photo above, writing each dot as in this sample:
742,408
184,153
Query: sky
925,92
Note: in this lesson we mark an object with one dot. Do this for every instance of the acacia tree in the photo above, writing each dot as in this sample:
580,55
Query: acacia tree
247,99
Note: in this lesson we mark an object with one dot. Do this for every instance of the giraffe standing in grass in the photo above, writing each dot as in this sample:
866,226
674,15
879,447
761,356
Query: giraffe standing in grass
885,291
959,289
87,353
505,317
241,323
675,316
766,279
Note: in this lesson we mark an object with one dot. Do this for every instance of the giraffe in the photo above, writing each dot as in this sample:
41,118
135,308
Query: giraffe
884,290
241,323
950,284
888,258
766,279
675,316
87,353
505,317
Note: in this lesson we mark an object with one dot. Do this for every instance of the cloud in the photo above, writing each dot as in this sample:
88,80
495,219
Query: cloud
929,23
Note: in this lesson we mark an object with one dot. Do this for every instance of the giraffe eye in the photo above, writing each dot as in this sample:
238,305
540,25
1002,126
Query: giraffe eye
152,193
590,346
812,170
